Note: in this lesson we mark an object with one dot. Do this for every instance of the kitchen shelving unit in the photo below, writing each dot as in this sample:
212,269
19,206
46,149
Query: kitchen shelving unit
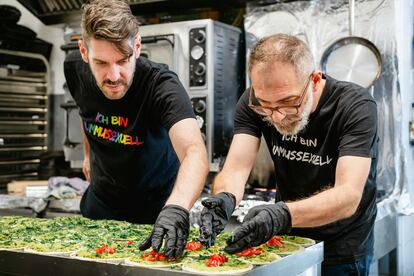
24,85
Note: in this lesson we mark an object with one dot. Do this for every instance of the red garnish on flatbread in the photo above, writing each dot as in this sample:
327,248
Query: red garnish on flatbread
105,248
193,246
275,241
250,252
216,260
128,242
154,256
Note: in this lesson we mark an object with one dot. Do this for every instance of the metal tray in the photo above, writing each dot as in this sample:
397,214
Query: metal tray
18,263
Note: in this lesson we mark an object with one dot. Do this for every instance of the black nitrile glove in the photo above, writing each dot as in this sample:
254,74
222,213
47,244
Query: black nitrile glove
173,224
214,216
260,224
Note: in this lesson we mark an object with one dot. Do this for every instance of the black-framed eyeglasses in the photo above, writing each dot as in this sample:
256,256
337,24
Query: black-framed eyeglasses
284,110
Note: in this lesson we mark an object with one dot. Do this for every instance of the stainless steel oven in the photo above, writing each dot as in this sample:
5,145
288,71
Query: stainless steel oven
206,56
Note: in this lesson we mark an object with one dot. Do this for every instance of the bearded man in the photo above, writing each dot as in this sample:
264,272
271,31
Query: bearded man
322,136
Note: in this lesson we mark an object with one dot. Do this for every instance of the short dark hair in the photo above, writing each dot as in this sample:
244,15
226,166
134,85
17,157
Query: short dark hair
110,20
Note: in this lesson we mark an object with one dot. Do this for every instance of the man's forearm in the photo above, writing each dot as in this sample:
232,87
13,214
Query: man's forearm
239,163
86,147
190,179
324,208
232,183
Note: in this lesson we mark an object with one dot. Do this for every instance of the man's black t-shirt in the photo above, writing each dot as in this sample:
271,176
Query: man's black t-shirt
343,124
133,163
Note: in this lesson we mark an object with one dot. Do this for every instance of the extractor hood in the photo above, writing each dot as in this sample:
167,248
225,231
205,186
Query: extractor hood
67,11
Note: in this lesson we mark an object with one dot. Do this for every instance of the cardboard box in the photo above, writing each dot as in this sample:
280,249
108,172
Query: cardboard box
19,187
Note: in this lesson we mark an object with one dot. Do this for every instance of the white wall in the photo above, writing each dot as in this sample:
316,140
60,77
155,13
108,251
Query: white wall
52,34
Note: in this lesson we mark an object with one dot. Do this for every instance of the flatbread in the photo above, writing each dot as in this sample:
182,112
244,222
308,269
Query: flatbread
13,245
287,249
299,240
52,249
267,258
233,266
157,264
264,258
109,260
140,260
215,249
17,249
50,253
80,238
87,255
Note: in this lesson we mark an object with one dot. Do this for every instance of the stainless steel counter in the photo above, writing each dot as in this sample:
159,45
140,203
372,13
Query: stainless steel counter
385,235
18,263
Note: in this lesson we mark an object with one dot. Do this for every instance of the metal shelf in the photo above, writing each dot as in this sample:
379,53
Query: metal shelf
24,148
23,117
19,122
24,110
21,175
19,162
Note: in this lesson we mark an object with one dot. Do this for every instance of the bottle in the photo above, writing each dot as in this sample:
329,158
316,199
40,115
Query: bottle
411,125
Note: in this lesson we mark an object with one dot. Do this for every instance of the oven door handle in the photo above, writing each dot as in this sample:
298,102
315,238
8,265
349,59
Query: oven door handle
155,39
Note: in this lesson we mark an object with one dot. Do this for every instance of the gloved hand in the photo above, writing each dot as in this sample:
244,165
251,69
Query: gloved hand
214,216
173,225
260,224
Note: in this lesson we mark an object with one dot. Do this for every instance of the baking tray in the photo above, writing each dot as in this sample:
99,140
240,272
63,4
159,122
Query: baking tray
19,263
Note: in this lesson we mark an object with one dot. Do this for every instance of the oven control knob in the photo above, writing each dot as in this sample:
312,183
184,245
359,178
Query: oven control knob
197,52
200,37
200,81
200,121
200,106
200,69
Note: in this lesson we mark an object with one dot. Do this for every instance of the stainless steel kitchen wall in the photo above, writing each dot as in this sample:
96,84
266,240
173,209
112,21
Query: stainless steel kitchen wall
320,23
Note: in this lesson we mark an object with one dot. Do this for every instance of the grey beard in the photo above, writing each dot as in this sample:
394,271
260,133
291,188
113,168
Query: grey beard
300,125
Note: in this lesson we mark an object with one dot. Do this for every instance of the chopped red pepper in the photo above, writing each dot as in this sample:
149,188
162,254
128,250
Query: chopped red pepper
154,256
101,249
105,248
161,257
275,241
193,246
216,260
111,249
128,242
258,251
250,252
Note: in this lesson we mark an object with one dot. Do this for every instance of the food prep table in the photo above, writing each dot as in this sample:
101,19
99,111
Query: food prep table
20,263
